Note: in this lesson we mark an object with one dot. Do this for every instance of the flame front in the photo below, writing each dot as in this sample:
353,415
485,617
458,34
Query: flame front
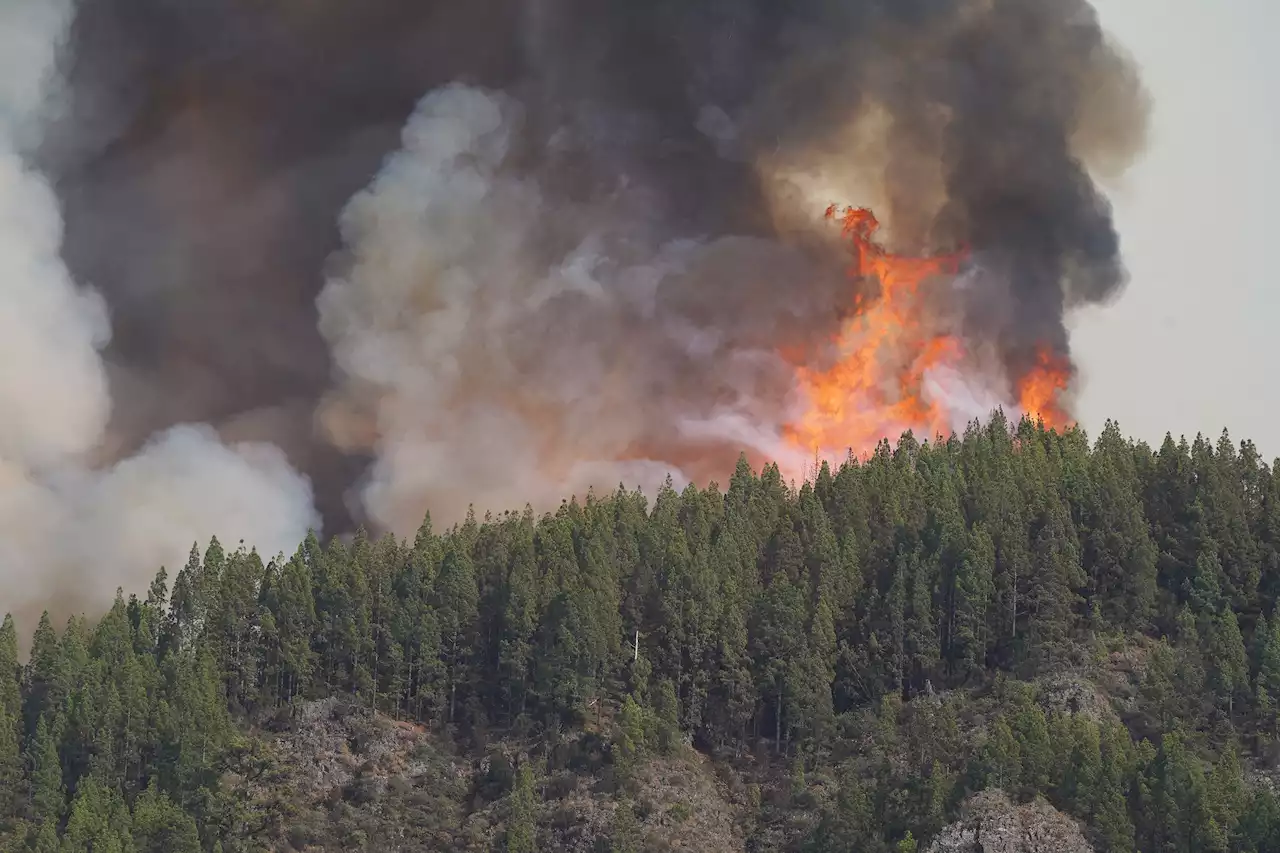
1040,391
878,388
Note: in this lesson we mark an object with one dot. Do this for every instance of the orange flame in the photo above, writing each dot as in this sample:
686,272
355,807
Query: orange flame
1040,391
876,388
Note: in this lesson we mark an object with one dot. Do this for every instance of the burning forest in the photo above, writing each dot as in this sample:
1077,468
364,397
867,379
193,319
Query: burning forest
898,369
271,267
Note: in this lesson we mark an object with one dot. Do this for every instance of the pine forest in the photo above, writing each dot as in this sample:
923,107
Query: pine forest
1083,622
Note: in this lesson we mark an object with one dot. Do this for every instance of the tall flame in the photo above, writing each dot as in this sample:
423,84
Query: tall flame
888,349
1040,391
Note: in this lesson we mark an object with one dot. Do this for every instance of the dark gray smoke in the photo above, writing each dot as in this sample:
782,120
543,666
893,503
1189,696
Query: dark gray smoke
580,258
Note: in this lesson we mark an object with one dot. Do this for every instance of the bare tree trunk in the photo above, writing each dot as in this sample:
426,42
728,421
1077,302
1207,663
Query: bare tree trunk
777,724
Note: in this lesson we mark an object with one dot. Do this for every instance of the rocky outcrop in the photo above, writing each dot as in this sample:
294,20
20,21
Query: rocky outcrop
334,776
992,824
1072,693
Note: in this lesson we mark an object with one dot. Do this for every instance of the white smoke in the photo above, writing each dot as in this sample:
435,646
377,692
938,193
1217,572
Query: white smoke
966,395
68,533
441,275
497,347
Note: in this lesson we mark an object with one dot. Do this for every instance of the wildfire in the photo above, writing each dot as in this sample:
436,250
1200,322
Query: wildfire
889,349
1040,391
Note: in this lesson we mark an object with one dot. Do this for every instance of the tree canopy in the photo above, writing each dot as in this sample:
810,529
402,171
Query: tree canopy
841,624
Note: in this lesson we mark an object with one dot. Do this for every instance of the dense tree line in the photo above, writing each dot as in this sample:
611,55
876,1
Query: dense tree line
839,627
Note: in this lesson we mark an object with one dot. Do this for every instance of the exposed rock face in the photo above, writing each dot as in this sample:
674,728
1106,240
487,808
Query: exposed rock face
335,777
992,824
1072,693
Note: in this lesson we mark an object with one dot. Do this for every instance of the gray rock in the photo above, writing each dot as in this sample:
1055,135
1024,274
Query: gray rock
992,824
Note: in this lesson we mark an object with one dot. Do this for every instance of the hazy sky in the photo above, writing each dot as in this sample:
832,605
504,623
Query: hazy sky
1191,344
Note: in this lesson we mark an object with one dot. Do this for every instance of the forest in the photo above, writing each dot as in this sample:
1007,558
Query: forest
878,643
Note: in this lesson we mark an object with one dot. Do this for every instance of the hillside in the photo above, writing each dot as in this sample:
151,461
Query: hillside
1067,644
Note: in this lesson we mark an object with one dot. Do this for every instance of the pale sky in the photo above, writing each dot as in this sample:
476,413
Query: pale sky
1190,346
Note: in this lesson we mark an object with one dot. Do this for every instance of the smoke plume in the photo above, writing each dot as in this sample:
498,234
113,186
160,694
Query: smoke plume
68,528
591,276
434,254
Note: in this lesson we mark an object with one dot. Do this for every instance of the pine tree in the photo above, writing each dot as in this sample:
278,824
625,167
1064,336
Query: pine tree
415,626
233,624
629,741
518,595
521,834
1052,597
11,781
289,618
1119,555
851,822
1078,747
1267,683
10,672
625,835
47,840
971,598
778,635
667,717
1002,756
1228,667
819,673
455,608
48,796
159,826
1031,730
41,673
733,691
99,821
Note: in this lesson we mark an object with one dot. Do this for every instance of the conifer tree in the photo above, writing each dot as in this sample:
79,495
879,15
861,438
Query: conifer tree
455,608
1002,756
159,826
11,781
292,608
39,682
1227,664
10,672
521,834
851,823
48,796
630,740
732,690
518,601
1110,809
667,717
625,835
47,839
1267,683
779,642
99,821
1119,555
971,598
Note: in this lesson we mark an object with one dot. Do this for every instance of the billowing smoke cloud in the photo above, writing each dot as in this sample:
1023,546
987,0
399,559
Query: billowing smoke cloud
543,281
67,527
590,255
504,341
